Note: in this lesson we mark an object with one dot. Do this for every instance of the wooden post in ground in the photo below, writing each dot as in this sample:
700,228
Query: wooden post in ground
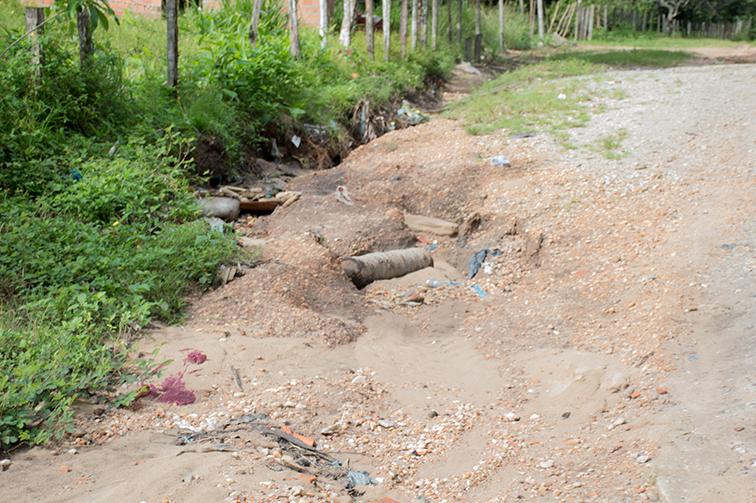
403,28
539,7
369,32
84,29
253,25
413,26
35,18
501,26
424,23
460,9
450,32
293,29
171,17
346,24
386,29
478,34
577,20
323,28
531,17
434,24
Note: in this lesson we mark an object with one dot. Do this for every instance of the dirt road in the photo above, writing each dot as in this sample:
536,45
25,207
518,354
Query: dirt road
607,354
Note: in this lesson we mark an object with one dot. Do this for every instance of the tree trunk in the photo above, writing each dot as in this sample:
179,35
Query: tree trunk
35,19
293,29
255,23
531,17
539,7
477,17
501,26
460,9
403,28
434,25
522,7
84,27
413,27
386,29
450,32
171,16
424,23
346,24
323,29
369,32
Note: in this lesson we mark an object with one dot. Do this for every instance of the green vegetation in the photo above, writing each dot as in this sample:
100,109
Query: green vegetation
545,96
630,58
537,96
610,146
654,41
99,231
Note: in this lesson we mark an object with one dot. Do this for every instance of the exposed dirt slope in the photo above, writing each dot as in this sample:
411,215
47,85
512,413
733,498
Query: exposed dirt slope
611,358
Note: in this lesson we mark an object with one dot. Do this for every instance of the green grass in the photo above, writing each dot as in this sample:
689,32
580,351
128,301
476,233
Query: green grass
610,146
630,58
646,41
542,96
538,96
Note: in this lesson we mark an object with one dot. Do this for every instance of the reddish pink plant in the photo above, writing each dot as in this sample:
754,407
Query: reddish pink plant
196,357
173,390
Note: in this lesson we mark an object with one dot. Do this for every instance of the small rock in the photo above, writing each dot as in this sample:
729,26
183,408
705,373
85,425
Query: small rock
739,427
359,379
662,390
72,451
296,491
546,464
5,464
533,417
617,422
64,469
566,415
511,416
642,458
635,394
432,414
386,423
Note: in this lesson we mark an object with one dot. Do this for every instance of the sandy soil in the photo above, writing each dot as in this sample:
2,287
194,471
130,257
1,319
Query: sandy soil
611,358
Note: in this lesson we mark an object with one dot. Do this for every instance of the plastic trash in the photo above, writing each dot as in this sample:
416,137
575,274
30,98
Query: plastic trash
342,196
500,161
296,141
477,289
476,261
359,478
409,115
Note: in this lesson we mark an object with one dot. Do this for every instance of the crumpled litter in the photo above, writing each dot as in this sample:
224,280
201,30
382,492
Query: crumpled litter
476,261
359,478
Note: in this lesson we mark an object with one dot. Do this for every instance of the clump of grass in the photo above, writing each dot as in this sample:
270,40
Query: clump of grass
610,146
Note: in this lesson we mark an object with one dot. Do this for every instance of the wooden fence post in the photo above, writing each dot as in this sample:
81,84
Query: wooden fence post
171,16
323,28
256,8
35,18
369,31
293,29
386,29
501,25
434,24
403,28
